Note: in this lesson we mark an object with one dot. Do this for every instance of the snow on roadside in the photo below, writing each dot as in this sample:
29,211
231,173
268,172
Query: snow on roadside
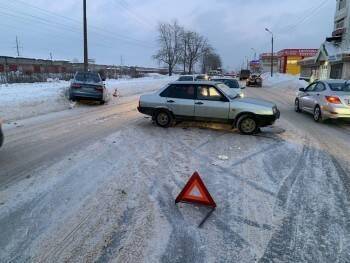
129,87
283,81
24,100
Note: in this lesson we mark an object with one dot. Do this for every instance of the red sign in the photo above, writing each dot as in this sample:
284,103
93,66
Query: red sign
298,52
195,192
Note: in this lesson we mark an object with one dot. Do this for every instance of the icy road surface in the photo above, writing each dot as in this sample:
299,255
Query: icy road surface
99,184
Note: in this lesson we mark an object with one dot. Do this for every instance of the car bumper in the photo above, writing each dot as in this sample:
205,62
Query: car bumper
267,120
146,110
1,136
329,112
86,95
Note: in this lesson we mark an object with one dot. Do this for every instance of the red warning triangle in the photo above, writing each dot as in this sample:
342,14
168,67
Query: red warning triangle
196,192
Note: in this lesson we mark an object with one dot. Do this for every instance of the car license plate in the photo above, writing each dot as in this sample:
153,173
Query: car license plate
347,101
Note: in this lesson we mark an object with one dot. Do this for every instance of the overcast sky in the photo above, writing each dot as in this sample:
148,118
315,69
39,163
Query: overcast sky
127,28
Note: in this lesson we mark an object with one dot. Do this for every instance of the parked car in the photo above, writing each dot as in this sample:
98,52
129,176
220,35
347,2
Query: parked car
88,85
328,99
231,83
244,74
202,77
207,101
254,80
1,134
187,78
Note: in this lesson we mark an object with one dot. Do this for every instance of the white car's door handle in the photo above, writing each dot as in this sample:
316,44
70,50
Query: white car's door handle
199,103
170,101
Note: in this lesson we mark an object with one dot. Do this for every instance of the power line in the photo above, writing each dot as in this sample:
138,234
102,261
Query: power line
95,29
141,20
304,18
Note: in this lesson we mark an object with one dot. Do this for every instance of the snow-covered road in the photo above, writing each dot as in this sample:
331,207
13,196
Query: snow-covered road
98,184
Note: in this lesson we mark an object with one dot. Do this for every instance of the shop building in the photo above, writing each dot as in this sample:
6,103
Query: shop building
288,59
265,63
333,57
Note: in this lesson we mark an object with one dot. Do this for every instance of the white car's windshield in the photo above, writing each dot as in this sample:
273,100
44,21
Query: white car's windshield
231,93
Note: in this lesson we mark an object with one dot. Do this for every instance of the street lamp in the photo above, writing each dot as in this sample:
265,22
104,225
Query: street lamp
272,56
254,50
86,57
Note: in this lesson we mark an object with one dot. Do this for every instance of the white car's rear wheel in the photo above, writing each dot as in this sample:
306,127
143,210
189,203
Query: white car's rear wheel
297,105
317,114
163,119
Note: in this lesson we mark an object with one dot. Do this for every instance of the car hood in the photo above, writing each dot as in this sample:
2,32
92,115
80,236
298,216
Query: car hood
259,102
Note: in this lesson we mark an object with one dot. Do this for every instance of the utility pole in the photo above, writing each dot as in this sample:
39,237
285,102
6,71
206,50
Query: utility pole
17,46
272,55
6,65
121,66
51,56
86,56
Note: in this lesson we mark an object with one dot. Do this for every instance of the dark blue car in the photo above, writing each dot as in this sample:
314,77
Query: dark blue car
88,86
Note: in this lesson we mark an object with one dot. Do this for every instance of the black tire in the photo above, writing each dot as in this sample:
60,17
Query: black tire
297,106
1,138
247,124
163,118
317,114
72,98
102,102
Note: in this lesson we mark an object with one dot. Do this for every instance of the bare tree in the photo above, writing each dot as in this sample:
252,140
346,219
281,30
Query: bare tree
195,47
185,39
170,45
210,60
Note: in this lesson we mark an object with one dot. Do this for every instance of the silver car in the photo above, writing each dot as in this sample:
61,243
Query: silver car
328,99
207,101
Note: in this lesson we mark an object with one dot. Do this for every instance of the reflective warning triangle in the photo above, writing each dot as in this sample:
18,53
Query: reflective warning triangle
196,192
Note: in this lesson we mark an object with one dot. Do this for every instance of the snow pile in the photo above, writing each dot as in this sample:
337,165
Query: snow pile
20,101
283,81
23,100
129,87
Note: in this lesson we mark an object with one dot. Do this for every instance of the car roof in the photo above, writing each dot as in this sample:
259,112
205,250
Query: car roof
330,81
194,82
228,78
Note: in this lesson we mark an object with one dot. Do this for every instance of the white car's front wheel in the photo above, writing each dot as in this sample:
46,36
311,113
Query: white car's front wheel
317,114
247,125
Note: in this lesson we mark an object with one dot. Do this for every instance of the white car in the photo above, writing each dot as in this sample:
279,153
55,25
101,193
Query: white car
328,99
207,101
232,83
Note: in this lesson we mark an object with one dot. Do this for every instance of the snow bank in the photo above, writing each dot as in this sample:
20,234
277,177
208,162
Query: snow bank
20,101
23,100
129,87
283,81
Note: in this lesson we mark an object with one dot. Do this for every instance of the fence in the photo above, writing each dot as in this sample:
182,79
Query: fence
16,77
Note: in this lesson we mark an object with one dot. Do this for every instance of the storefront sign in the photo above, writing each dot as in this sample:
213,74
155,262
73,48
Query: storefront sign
298,52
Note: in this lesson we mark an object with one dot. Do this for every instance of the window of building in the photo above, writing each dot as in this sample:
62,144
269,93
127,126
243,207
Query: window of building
340,23
342,4
292,61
